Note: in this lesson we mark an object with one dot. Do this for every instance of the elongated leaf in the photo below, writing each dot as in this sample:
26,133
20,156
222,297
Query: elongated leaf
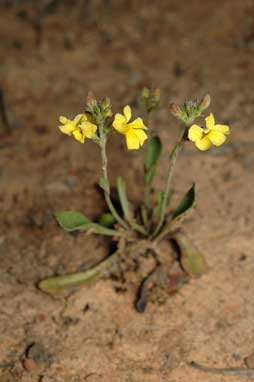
149,175
73,220
153,152
120,183
186,203
65,282
191,259
60,283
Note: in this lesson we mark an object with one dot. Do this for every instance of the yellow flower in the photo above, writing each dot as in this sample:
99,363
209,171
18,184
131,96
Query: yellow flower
212,134
133,131
80,127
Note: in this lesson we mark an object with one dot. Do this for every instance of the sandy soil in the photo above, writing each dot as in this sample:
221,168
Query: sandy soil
95,334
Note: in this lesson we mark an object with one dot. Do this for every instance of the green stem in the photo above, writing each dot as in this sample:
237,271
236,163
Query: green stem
102,143
144,215
148,187
147,195
137,227
98,229
172,160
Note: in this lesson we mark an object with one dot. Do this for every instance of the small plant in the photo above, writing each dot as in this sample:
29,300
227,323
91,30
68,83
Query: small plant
140,232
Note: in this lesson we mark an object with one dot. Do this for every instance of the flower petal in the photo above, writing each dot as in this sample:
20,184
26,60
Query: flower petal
78,119
88,129
137,124
135,139
195,133
78,135
203,144
63,119
120,124
141,136
127,113
222,129
132,140
210,122
67,129
216,137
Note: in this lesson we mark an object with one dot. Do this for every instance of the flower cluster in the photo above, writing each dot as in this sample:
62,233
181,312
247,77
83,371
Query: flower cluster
80,127
86,125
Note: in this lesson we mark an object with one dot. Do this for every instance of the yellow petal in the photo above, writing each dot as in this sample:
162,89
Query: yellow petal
210,122
119,123
195,133
222,129
132,141
88,129
78,119
137,124
63,119
135,139
141,136
67,129
203,144
78,135
127,113
216,137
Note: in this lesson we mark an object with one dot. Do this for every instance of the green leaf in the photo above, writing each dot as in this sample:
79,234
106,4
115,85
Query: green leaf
153,152
149,175
120,183
107,220
73,220
186,204
104,184
191,259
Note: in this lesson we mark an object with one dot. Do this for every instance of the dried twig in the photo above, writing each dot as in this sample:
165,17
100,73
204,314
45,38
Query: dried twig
239,371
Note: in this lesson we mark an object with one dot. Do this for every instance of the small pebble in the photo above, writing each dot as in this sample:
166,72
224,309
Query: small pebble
29,365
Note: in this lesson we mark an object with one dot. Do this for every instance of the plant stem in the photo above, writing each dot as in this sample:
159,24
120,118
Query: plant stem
172,160
147,195
137,227
148,187
103,141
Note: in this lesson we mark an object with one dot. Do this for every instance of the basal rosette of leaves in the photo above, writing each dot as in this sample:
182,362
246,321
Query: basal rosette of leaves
141,231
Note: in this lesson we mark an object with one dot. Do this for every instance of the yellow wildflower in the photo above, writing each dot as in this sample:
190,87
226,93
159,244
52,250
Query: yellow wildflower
133,131
212,134
80,127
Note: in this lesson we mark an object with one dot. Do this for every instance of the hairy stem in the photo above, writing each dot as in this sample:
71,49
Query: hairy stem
103,141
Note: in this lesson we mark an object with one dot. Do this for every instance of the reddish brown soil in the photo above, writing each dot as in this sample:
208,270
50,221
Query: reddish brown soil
187,48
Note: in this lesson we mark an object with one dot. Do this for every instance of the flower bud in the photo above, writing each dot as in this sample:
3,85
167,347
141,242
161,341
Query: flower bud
205,102
150,98
145,93
91,102
157,94
175,110
106,107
